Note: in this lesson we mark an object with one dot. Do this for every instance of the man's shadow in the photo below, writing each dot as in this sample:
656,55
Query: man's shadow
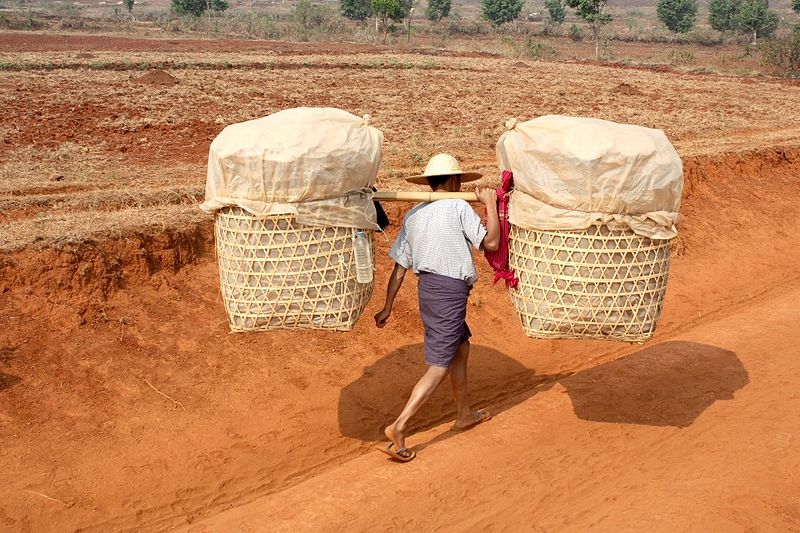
374,400
7,380
668,384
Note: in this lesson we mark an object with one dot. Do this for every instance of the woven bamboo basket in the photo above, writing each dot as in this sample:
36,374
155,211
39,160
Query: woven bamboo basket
276,274
598,283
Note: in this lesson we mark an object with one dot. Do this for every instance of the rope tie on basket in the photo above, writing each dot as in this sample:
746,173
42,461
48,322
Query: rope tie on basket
363,192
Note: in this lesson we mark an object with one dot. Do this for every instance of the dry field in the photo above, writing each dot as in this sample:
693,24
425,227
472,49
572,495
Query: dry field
125,404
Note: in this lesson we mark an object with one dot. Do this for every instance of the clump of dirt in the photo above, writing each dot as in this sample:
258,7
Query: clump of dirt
520,64
627,89
157,77
85,55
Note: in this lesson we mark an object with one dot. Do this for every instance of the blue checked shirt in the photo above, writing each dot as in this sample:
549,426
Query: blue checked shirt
436,237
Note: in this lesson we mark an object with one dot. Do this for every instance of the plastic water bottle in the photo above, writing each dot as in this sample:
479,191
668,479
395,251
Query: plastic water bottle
363,258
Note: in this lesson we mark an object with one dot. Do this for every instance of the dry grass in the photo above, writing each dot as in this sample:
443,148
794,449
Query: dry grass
73,168
58,230
99,141
104,200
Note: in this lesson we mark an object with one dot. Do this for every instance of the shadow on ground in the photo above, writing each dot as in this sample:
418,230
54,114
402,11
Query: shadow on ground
374,400
7,380
669,384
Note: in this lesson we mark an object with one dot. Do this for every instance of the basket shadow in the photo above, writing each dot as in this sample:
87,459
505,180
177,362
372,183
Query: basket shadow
669,384
374,400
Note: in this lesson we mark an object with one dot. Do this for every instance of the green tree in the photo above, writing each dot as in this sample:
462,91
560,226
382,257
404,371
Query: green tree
198,7
355,9
677,15
755,17
439,9
722,14
556,10
783,55
498,12
308,15
593,12
387,12
796,5
129,5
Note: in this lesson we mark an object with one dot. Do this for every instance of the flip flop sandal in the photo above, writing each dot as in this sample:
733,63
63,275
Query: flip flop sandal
402,455
484,416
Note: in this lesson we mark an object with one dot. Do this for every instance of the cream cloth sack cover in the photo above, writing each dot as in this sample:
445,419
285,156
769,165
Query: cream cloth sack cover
317,164
575,172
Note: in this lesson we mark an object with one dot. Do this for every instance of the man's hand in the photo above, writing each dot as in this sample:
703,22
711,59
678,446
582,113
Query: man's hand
382,316
395,281
491,242
486,195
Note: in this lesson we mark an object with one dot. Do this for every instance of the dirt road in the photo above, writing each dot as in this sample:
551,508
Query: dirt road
126,404
695,433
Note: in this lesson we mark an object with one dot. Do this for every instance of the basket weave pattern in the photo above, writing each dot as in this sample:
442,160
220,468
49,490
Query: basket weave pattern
276,274
598,283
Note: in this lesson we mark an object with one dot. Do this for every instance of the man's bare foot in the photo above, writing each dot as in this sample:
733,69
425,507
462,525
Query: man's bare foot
395,436
396,448
474,418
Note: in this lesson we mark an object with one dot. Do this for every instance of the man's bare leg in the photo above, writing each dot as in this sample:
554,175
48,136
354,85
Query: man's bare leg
458,379
421,393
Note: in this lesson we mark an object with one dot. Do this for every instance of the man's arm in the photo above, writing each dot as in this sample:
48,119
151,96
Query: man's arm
395,281
488,197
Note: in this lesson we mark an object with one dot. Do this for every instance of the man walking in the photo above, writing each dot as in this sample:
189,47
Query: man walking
435,244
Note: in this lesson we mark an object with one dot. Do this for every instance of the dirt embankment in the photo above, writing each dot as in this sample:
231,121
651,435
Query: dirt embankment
727,201
71,283
125,403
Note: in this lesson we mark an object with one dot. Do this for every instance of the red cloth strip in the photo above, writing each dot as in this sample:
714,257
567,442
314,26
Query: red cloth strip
498,259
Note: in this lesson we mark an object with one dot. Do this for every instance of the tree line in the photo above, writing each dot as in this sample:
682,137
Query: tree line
751,17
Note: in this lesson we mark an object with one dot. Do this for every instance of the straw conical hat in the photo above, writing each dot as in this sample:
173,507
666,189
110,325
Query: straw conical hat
443,165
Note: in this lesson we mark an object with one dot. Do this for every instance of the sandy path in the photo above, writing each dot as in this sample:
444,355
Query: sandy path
641,443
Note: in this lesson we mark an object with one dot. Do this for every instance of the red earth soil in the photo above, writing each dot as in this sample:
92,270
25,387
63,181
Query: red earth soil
126,404
25,41
48,42
157,77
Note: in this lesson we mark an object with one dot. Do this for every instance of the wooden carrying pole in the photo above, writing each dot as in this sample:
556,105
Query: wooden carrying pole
421,196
